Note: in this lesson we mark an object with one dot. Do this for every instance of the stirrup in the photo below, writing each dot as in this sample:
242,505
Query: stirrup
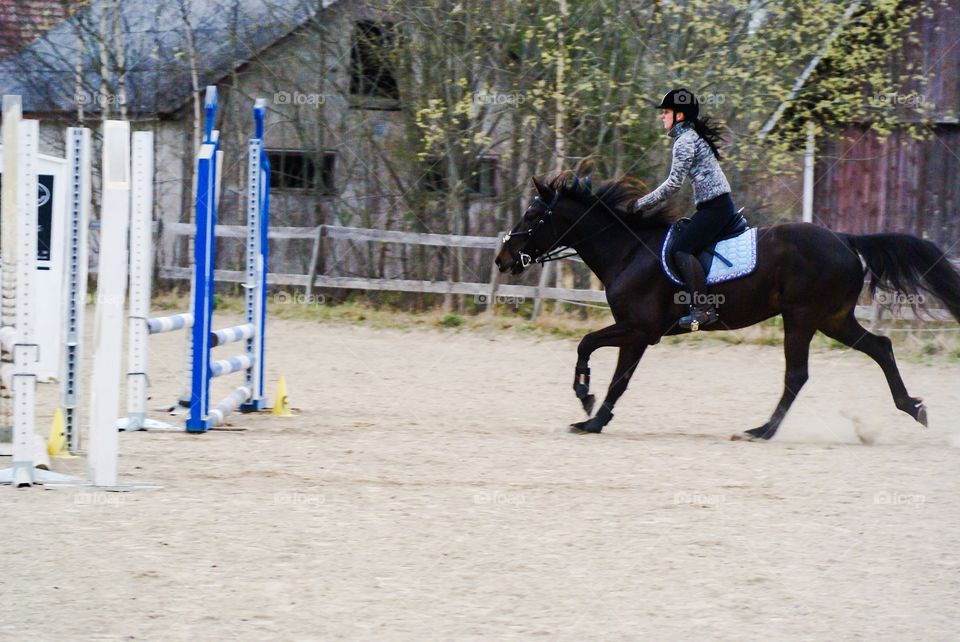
699,317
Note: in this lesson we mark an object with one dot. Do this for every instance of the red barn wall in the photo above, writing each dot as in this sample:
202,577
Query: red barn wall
899,185
864,185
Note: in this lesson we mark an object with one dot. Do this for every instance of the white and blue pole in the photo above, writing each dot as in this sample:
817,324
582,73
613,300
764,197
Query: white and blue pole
204,246
258,224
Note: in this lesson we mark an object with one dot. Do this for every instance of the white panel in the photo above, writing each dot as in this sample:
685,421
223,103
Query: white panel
111,286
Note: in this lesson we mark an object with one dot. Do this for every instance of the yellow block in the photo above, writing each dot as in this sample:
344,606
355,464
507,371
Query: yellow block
281,406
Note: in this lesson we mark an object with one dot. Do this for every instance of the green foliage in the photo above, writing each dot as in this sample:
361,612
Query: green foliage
451,320
496,74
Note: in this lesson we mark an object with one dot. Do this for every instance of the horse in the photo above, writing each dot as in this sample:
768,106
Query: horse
806,273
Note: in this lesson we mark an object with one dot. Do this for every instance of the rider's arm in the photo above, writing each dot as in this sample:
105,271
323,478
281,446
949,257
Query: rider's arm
683,151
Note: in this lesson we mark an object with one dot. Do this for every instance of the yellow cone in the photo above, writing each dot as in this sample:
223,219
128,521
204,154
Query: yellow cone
281,407
57,441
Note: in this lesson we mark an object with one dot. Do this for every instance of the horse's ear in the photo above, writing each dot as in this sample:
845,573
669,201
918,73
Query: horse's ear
546,194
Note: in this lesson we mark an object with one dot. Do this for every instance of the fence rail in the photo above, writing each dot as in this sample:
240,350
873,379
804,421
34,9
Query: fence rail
490,290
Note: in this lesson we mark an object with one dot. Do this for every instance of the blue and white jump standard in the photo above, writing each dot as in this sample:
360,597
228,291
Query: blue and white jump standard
200,368
249,396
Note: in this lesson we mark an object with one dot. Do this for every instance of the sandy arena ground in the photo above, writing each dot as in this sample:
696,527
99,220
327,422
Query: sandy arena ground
427,491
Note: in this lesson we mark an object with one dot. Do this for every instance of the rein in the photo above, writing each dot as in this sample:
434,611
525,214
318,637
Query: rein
553,253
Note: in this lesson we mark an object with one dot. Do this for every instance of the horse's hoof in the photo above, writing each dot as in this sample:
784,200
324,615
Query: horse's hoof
750,435
922,414
584,427
588,402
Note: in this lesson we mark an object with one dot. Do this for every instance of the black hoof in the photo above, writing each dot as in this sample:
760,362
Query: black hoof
751,435
588,403
588,426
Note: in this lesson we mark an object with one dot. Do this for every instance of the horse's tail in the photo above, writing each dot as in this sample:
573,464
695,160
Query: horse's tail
901,263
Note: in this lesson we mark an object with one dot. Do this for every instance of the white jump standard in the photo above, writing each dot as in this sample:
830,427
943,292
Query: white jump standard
22,333
140,324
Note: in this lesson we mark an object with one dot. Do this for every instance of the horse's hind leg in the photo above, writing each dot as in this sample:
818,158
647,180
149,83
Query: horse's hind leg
796,349
849,332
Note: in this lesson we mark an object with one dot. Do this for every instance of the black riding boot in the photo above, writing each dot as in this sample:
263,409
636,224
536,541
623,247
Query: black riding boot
701,313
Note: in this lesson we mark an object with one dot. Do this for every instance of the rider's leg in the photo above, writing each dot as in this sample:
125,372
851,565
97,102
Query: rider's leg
702,310
702,231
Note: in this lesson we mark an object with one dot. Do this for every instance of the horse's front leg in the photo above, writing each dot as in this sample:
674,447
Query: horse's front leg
617,334
627,362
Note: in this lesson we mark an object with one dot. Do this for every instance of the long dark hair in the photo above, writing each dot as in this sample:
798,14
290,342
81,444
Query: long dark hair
710,130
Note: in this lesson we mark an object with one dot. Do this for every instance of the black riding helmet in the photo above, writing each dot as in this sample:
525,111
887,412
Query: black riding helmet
683,101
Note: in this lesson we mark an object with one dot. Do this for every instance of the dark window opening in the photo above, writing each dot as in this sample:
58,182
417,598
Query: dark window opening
435,175
484,179
298,170
371,70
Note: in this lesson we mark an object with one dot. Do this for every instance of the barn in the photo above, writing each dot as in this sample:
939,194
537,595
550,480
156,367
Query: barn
866,183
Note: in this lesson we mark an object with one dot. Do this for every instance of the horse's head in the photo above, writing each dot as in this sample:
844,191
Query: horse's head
570,212
538,231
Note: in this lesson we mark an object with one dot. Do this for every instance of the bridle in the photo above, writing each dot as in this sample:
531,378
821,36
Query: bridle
552,253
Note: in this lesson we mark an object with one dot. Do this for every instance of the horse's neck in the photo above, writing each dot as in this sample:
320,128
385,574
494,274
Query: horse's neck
608,253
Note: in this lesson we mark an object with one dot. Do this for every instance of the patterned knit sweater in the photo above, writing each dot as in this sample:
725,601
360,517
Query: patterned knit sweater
693,158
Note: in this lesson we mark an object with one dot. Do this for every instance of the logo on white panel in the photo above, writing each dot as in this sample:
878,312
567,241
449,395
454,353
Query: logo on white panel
43,196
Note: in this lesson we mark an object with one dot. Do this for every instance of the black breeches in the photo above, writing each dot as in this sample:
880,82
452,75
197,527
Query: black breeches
706,224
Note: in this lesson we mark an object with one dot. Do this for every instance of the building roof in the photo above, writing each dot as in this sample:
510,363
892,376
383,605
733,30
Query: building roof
22,21
227,33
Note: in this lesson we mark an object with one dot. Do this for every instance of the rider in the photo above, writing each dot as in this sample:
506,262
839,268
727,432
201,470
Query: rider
695,157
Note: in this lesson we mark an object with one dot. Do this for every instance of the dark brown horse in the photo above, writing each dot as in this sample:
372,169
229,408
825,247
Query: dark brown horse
807,273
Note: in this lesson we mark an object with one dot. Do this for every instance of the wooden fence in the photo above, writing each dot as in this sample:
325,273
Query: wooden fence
490,290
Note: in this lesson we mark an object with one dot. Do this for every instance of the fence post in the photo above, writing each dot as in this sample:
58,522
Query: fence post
541,284
315,260
494,281
876,313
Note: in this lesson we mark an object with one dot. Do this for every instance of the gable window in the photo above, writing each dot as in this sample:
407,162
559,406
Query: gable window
302,170
371,70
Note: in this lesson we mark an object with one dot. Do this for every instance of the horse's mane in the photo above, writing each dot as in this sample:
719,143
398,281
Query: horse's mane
611,198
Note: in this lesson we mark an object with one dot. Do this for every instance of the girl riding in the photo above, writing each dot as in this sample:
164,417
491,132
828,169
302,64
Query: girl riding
695,156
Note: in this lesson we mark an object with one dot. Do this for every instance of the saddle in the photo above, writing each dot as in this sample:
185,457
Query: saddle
735,251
